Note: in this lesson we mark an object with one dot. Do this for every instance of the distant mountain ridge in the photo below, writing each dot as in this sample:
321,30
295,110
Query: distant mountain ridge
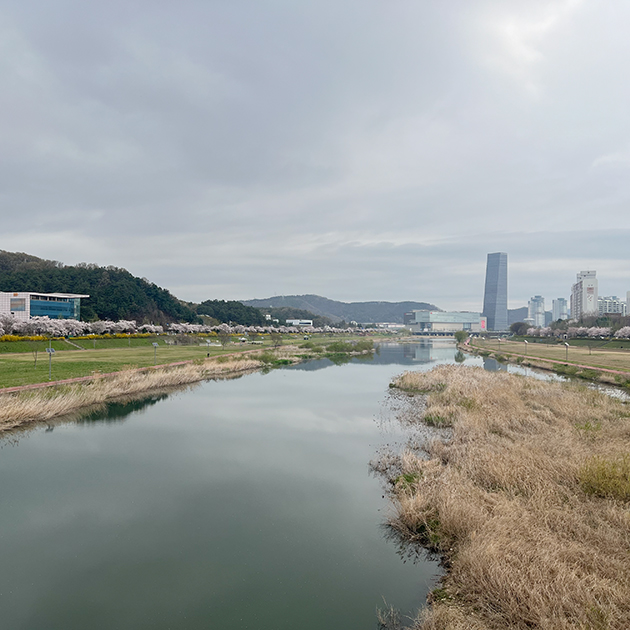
362,312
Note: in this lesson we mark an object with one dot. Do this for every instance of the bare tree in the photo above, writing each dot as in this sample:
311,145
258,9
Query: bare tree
224,338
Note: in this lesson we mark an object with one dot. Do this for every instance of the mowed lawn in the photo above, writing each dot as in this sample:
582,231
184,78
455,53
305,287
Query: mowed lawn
612,359
20,369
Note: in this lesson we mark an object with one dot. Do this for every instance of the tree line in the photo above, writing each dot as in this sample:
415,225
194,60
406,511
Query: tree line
115,294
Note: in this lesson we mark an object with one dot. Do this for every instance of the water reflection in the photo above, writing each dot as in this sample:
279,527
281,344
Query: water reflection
119,411
492,365
423,351
241,504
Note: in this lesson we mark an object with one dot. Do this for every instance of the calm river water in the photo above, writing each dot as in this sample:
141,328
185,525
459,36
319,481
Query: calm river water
239,504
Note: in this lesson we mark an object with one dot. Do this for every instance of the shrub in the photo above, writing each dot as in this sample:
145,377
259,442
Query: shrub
267,357
436,420
339,347
591,375
607,478
364,345
568,370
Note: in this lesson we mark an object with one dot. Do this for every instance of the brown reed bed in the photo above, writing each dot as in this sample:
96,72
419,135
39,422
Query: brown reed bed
40,405
526,501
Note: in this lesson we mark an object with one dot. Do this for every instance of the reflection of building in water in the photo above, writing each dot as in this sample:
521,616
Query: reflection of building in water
444,323
492,365
429,351
425,351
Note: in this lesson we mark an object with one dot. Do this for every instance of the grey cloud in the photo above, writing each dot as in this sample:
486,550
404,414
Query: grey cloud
360,150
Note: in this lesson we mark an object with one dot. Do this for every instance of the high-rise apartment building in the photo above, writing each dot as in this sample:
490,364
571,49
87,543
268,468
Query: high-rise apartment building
495,294
584,295
536,311
611,304
559,309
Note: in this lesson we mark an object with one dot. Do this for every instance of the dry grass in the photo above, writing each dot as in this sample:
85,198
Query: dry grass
28,406
526,502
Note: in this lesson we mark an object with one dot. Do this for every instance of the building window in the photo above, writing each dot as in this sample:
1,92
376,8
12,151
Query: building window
18,304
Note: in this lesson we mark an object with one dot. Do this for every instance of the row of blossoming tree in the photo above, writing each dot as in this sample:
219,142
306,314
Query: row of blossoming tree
574,332
241,330
10,325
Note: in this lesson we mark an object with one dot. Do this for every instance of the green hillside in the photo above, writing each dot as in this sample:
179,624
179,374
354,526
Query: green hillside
114,293
231,311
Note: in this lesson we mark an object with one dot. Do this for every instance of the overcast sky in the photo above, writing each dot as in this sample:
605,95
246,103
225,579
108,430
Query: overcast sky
356,149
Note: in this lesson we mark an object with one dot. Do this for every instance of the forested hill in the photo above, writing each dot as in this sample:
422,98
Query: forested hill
114,293
231,311
362,312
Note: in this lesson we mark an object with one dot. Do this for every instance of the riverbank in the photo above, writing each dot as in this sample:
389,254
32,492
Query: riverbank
114,355
525,501
28,405
605,366
40,402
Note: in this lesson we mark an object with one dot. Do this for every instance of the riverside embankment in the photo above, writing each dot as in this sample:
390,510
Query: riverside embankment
606,366
526,501
43,401
37,403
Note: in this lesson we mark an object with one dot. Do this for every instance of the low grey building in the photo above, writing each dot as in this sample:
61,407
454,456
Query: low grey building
444,323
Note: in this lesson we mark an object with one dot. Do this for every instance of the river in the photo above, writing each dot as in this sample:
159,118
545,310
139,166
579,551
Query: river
237,504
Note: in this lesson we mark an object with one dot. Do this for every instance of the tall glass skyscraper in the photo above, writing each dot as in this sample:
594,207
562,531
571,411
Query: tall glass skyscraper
495,295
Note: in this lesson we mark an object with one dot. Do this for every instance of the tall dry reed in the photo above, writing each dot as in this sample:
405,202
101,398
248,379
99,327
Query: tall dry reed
508,502
27,406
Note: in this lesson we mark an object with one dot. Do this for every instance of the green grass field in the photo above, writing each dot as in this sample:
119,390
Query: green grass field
88,344
17,358
68,362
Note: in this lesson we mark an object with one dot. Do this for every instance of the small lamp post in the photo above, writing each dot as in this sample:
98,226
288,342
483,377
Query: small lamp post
566,348
50,352
526,344
155,345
